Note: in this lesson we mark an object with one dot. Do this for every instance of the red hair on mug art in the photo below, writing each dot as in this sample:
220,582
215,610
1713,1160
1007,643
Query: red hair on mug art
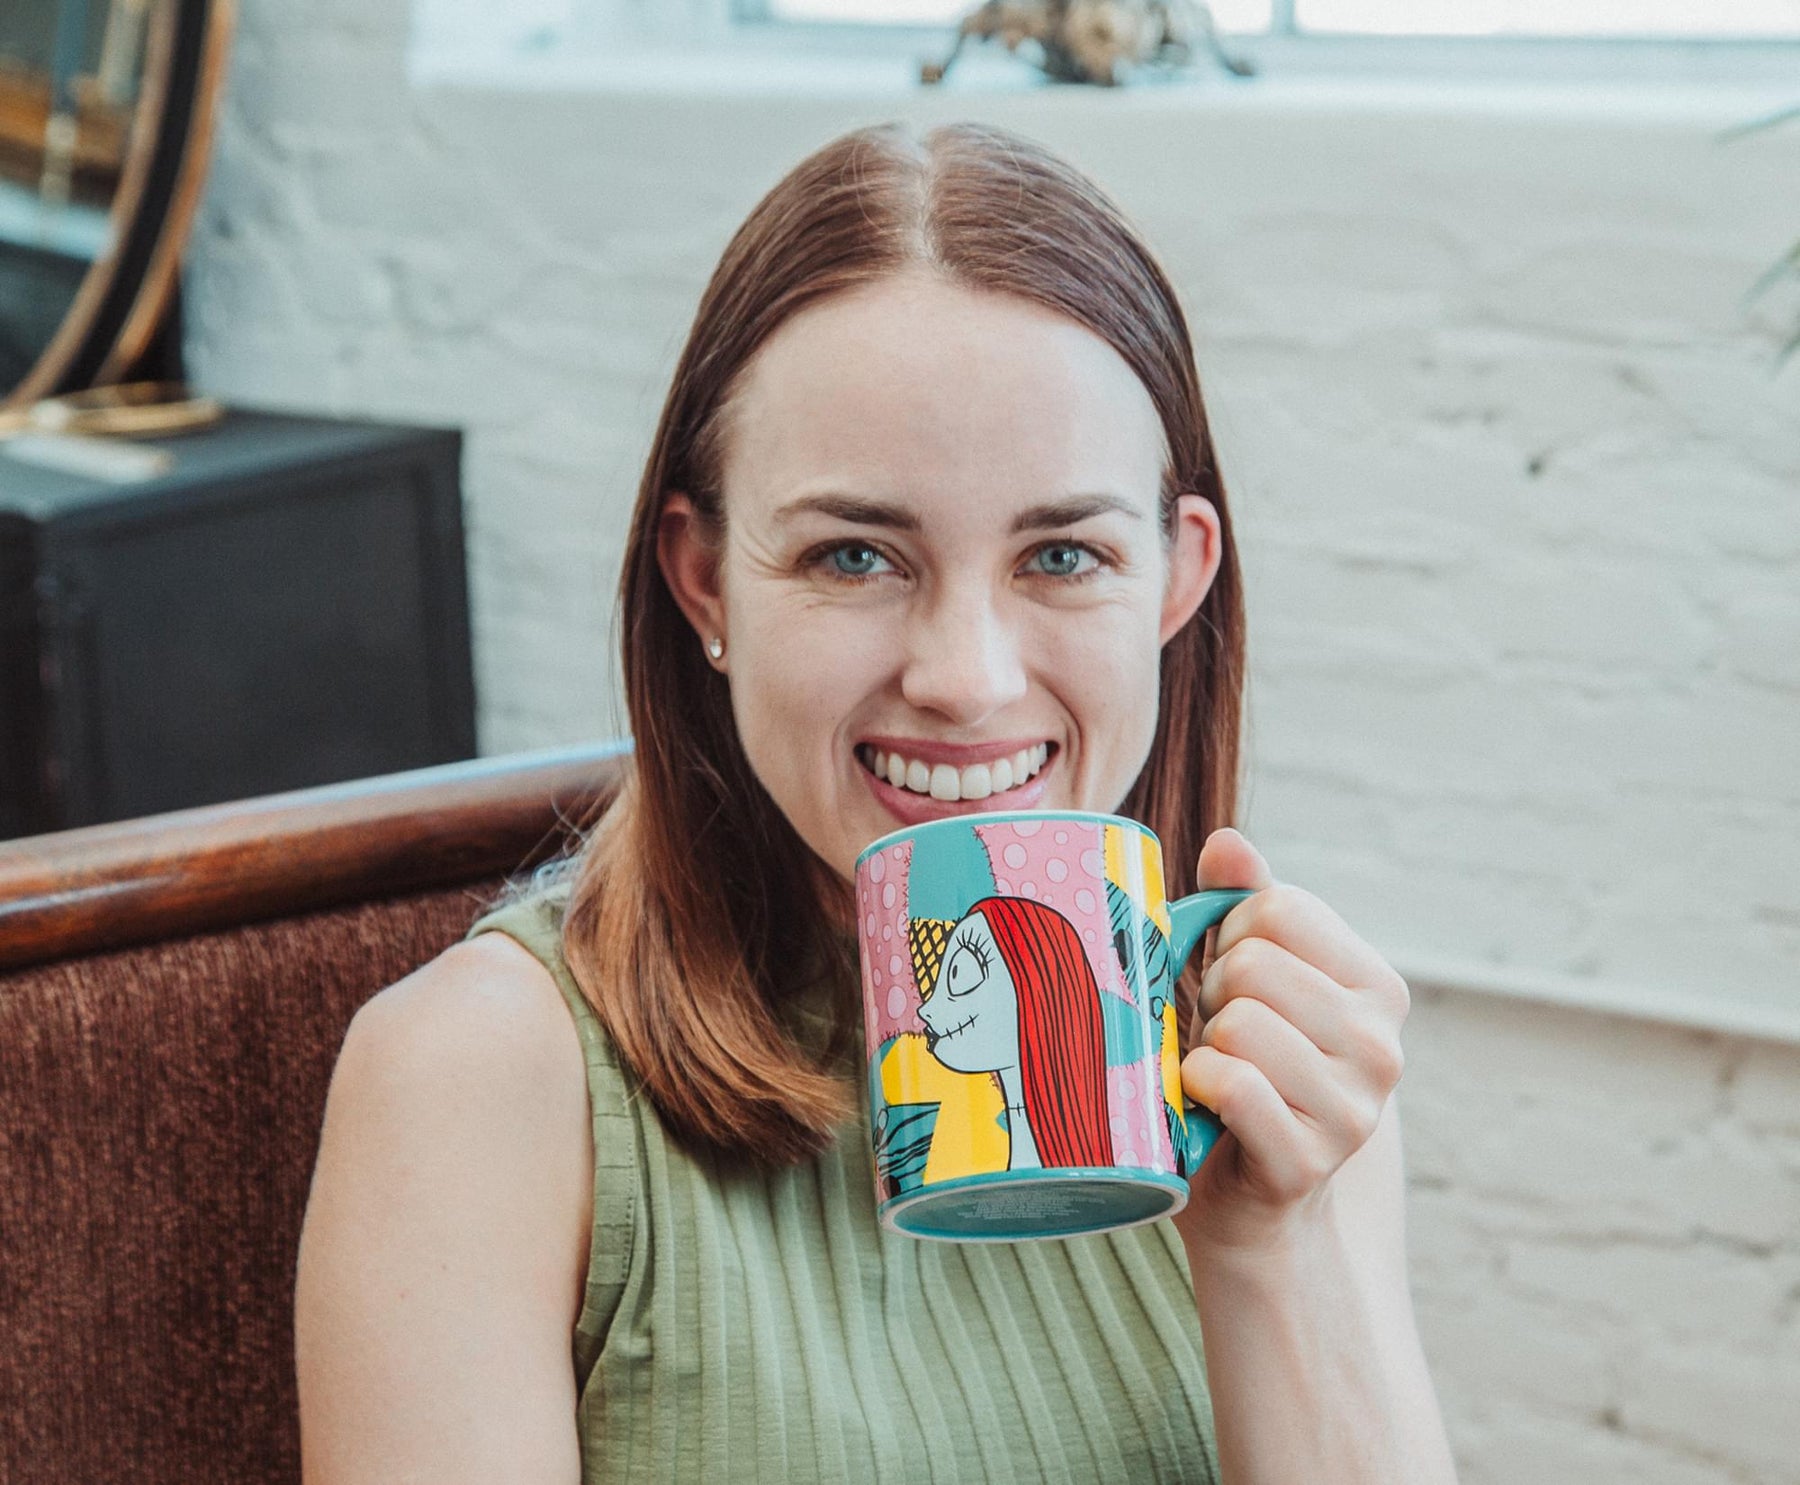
1034,1019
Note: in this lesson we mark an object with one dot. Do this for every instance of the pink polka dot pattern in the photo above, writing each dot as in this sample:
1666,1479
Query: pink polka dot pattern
1064,868
1134,1098
890,997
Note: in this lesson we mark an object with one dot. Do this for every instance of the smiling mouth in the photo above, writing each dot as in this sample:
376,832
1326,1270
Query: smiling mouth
949,784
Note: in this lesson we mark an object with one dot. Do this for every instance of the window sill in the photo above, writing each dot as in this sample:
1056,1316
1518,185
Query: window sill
1726,80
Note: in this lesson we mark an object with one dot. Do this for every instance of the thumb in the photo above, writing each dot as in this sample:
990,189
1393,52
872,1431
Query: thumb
1227,859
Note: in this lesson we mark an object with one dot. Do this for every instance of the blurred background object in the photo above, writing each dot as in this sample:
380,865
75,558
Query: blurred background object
267,604
106,116
196,603
1094,41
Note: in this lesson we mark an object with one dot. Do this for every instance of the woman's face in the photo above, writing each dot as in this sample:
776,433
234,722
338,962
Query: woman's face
942,586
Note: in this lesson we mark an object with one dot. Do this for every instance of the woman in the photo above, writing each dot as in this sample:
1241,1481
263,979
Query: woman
933,489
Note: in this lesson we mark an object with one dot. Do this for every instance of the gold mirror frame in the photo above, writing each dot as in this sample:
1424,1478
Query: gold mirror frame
126,290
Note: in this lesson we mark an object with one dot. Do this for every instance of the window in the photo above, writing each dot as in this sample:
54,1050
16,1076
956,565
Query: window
1691,19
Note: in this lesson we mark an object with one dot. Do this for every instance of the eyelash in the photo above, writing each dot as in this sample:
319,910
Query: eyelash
973,945
819,558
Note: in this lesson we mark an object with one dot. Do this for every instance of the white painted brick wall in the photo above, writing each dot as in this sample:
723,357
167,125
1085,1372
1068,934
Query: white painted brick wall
1519,500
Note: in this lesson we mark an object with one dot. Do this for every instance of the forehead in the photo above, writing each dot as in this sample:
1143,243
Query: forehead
915,389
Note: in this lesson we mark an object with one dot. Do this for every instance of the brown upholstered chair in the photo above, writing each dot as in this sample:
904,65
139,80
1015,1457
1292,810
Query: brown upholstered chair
173,994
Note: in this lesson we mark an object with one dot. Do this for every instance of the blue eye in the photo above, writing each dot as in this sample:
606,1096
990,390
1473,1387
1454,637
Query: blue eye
859,561
859,558
848,562
1061,559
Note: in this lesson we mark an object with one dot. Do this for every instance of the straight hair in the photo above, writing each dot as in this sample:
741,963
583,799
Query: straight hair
680,924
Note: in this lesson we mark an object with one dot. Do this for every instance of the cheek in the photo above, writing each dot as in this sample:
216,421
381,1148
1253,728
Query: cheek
798,674
1105,670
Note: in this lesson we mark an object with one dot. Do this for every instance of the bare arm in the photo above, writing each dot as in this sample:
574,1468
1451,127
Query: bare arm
1296,1231
1312,1350
445,1243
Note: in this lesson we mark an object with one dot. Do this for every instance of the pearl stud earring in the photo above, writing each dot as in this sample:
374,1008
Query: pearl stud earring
716,647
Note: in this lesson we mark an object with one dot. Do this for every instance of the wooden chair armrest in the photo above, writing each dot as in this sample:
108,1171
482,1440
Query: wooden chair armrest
137,881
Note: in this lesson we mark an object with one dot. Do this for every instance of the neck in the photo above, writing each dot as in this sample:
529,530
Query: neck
1018,1123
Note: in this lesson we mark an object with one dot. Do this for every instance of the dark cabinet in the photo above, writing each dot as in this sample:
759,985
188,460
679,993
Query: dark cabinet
286,606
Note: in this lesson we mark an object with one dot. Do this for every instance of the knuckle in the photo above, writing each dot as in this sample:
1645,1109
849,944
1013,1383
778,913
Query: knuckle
1368,1118
1385,1059
1250,958
1289,908
1275,909
1233,1027
1393,1064
1395,994
1237,1093
1379,1055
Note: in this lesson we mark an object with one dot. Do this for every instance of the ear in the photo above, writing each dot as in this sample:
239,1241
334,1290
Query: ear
690,566
1195,549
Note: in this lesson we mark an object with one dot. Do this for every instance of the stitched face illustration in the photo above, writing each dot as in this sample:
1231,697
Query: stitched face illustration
972,1015
1017,998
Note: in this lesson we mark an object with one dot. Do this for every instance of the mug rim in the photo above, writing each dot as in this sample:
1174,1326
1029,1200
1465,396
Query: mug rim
990,817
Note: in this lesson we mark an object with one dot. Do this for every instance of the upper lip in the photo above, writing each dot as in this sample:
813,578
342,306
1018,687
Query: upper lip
958,755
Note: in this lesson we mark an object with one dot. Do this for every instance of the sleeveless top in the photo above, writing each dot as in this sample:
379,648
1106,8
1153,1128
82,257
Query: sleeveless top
750,1324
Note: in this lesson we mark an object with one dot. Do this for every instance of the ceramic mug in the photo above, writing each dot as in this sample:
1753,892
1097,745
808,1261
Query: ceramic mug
1018,992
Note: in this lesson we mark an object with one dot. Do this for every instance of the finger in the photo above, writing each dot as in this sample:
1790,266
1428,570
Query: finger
1227,859
1306,997
1310,930
1358,1029
1306,1078
1245,1101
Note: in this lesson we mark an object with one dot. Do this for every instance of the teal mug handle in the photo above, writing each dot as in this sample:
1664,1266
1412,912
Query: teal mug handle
1189,918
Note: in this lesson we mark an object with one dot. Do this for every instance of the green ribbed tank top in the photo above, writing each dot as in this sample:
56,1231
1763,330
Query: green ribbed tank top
742,1324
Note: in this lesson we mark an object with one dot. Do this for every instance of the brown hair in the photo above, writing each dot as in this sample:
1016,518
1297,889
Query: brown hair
679,926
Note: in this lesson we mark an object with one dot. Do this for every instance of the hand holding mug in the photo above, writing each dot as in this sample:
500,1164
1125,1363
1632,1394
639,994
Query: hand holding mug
1295,1046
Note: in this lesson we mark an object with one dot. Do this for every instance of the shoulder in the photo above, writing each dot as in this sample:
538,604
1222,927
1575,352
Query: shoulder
480,1029
443,1254
469,1073
488,994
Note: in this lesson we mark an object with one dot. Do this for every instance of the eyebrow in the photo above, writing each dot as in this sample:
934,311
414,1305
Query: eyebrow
865,512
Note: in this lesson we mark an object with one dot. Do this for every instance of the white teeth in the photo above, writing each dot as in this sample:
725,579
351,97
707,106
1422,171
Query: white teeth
946,782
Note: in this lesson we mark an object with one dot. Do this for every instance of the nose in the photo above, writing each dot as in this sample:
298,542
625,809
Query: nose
962,658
